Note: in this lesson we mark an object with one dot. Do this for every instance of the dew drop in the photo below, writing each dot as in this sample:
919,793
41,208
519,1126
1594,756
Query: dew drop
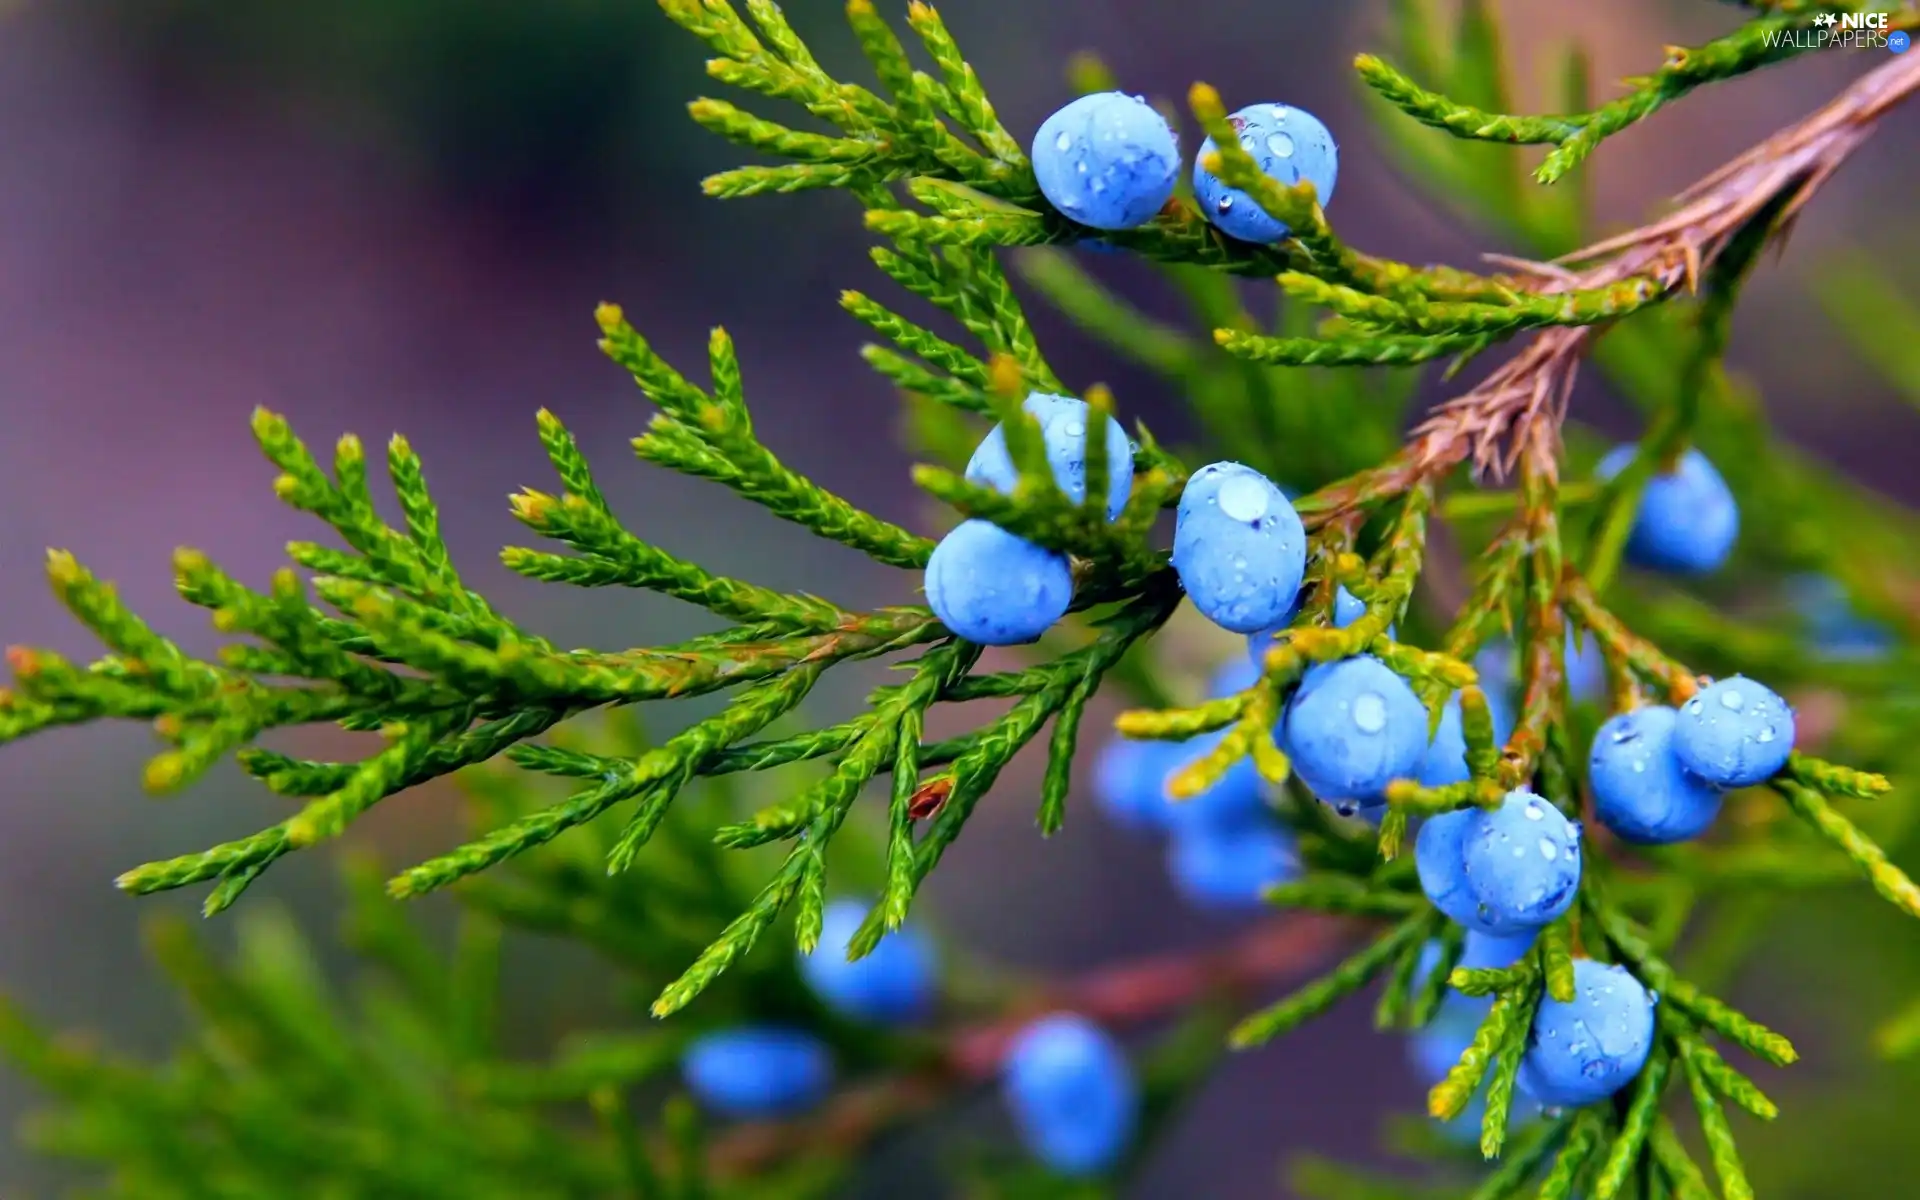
1064,141
1080,167
1548,850
1074,429
1280,145
1764,736
1244,498
1695,705
1519,853
1225,204
1639,766
1279,113
1370,713
1534,811
1733,700
1622,737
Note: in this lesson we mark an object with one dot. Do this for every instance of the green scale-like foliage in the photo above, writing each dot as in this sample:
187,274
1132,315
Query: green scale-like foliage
378,633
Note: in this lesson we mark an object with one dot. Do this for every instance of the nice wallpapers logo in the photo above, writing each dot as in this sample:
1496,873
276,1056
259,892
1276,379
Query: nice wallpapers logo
1849,30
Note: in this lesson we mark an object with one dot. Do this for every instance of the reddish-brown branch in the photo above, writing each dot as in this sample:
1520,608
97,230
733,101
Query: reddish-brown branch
1491,425
1118,997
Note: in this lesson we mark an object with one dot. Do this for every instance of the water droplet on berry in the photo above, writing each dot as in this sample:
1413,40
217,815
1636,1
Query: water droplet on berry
1639,766
1548,850
1279,113
1733,700
1534,811
1764,736
1695,705
1225,205
1370,712
1624,736
1280,145
1073,429
1244,498
1064,141
1080,167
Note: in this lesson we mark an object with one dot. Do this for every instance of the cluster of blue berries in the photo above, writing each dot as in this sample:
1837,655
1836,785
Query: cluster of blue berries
1504,874
1069,1086
1657,773
1352,727
1110,161
1225,846
991,587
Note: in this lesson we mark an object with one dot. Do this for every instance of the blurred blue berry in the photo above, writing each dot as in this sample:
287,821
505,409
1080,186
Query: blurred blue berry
894,984
1063,426
1235,798
1734,733
1446,760
1480,952
1352,728
1289,144
1834,627
1130,781
1072,1093
1226,867
1586,669
1687,521
1503,871
1232,677
1239,547
1434,1050
1107,160
759,1071
1639,789
1592,1046
991,587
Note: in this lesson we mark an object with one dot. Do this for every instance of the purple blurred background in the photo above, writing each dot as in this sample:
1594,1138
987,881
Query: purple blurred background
198,216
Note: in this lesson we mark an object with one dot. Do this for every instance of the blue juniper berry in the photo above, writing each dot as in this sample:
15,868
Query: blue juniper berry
1239,547
1107,160
1289,144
